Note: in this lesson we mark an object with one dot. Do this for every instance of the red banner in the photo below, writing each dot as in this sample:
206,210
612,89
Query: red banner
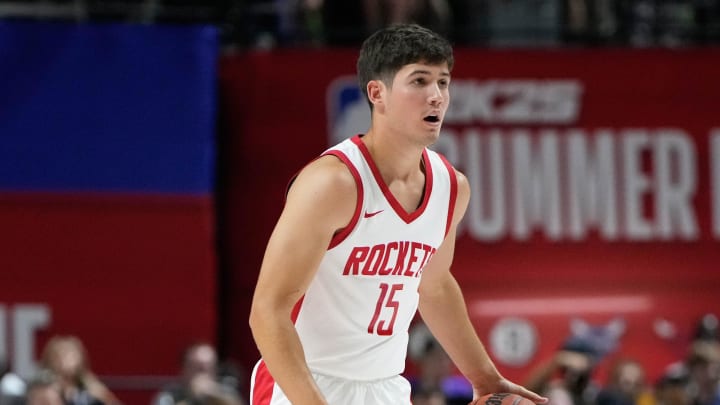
130,276
596,188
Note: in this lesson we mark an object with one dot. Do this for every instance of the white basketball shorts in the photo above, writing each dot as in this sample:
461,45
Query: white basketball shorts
338,391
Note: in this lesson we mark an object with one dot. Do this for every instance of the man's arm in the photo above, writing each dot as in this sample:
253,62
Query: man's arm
321,200
443,309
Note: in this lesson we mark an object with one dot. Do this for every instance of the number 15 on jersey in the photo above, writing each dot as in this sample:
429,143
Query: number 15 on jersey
384,327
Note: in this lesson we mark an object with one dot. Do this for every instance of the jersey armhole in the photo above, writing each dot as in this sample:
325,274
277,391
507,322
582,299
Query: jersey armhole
344,232
453,193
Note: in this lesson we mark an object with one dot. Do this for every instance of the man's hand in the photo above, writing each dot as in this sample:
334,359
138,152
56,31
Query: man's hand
504,385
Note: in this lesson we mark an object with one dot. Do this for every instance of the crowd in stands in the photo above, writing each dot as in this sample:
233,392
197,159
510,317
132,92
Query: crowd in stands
569,376
268,24
498,23
64,377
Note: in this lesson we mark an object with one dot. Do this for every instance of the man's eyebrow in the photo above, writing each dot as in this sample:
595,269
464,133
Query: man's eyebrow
427,72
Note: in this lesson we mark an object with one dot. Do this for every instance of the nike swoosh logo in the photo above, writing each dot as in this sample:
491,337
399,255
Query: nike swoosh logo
372,214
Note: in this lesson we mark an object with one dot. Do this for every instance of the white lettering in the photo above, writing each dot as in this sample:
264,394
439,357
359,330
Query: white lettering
675,183
487,216
591,190
518,101
18,326
536,184
715,179
3,333
637,184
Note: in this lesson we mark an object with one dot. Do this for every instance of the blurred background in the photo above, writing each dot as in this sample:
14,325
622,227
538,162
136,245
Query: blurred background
145,147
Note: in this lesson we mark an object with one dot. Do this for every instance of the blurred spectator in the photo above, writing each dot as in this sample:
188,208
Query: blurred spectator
527,23
433,14
44,389
199,381
707,20
591,21
468,25
67,358
348,23
12,387
566,378
696,379
668,23
703,366
304,21
707,329
626,384
670,389
343,23
434,381
433,397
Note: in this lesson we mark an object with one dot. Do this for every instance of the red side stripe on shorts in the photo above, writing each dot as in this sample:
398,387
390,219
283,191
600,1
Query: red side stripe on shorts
263,387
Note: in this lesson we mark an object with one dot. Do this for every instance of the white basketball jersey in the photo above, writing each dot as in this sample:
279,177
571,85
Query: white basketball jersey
353,320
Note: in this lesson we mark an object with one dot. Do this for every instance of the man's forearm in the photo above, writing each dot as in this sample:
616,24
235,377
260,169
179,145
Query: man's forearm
283,355
445,313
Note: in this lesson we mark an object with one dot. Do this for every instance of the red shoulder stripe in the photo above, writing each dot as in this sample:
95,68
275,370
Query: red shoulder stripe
340,236
453,192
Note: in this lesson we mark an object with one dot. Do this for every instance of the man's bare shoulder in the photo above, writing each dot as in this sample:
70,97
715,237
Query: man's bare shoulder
324,193
327,174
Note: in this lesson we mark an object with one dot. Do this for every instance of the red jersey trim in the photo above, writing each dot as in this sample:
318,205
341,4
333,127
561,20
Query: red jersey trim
397,207
296,309
453,192
263,385
343,233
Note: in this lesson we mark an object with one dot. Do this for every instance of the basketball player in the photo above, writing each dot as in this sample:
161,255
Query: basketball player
366,237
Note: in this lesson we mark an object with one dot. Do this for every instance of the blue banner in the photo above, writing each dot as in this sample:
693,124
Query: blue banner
107,108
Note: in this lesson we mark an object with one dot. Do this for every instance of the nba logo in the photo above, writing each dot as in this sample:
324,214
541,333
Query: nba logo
348,110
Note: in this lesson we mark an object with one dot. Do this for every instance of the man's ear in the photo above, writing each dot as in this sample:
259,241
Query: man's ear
376,93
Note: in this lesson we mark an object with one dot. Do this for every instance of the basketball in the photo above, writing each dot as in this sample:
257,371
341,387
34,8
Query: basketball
504,399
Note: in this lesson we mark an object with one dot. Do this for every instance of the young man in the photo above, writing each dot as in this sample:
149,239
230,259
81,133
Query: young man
365,239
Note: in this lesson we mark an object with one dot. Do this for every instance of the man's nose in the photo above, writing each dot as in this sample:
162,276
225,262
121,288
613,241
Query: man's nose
436,96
